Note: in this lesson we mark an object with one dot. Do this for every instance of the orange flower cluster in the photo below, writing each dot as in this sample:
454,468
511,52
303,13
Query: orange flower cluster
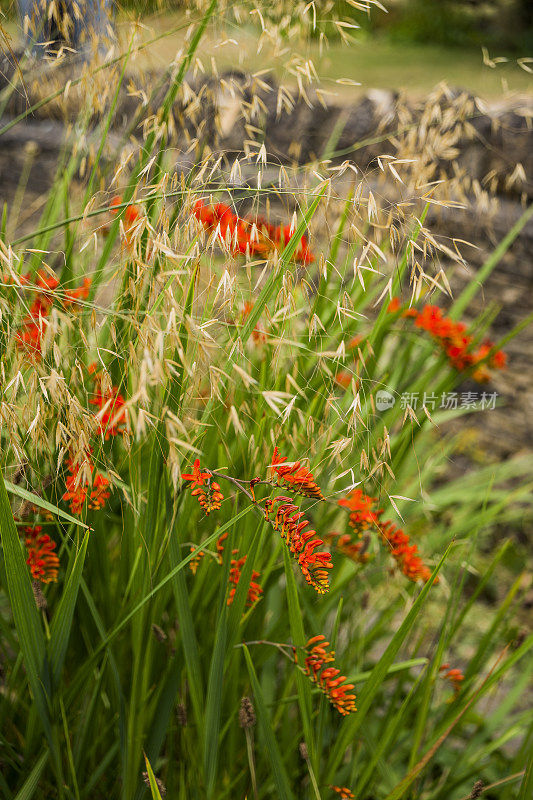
30,334
254,589
295,477
131,215
254,236
112,407
364,515
453,339
455,676
328,678
344,792
258,335
302,544
356,551
405,554
194,562
42,560
78,493
207,491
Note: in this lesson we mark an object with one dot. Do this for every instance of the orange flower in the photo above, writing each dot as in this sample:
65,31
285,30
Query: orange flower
207,491
254,589
131,215
356,551
328,678
301,543
405,554
296,477
220,546
30,334
112,414
455,676
42,560
362,513
254,236
77,493
363,516
344,792
194,562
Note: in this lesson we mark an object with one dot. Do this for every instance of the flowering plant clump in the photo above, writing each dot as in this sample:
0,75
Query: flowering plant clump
203,457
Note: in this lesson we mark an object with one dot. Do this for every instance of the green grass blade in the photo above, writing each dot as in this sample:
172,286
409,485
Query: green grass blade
25,614
24,494
32,781
154,789
274,756
372,686
213,708
64,614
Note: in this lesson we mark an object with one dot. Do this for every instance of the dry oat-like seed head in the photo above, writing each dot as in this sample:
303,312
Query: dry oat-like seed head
159,633
477,790
247,718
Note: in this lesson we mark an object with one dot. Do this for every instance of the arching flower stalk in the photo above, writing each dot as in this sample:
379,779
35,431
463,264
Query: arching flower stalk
327,678
364,515
42,560
452,338
302,543
295,477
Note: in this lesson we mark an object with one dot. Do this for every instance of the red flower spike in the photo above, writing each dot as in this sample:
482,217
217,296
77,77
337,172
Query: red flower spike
207,491
451,336
295,477
405,554
194,562
220,546
356,551
328,678
42,560
254,589
112,414
362,513
253,236
302,544
77,493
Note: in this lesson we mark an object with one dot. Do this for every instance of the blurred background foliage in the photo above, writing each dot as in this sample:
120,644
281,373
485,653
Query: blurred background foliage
506,25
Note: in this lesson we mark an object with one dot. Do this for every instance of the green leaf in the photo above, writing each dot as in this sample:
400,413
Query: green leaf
40,503
25,614
378,675
278,770
63,616
213,709
298,639
156,795
32,781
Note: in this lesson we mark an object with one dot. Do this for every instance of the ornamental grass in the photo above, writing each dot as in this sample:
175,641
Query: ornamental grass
229,567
